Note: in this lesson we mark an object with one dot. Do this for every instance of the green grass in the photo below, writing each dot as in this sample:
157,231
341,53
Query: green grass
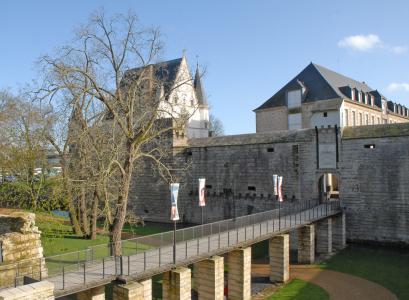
57,239
388,267
299,290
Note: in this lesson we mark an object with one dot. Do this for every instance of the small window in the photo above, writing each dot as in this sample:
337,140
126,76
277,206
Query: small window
270,149
325,114
208,186
369,146
251,188
191,102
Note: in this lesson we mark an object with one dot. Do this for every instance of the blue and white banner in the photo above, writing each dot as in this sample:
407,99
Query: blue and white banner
202,201
174,191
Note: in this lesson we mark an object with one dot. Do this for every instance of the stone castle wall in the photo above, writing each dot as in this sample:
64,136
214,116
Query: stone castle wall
374,185
21,250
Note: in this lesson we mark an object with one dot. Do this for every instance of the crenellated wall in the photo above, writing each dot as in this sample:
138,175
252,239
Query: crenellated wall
374,182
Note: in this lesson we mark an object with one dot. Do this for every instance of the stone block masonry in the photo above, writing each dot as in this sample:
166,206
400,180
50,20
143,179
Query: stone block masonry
338,232
43,290
97,293
239,274
279,253
177,284
209,278
324,236
129,291
21,249
306,244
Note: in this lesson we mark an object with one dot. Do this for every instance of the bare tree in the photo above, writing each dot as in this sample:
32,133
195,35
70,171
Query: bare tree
215,126
137,114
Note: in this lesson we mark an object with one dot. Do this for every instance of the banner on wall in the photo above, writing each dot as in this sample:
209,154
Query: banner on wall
202,201
174,191
275,184
279,187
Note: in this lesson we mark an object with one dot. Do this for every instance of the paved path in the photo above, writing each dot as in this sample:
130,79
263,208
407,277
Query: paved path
340,286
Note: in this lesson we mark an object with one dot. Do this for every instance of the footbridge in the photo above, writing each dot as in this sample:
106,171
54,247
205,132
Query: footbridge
320,228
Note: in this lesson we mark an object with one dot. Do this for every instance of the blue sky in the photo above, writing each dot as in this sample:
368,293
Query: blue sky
250,48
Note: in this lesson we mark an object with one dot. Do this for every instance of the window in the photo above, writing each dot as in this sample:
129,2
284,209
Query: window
369,146
366,98
366,119
353,119
359,97
191,102
384,106
294,99
346,118
372,100
352,94
270,149
373,120
360,119
325,114
251,188
294,121
379,121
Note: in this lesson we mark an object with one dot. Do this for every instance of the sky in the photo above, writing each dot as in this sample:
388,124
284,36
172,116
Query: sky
250,48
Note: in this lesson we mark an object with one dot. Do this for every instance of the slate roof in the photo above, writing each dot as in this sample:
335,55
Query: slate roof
199,88
165,72
320,84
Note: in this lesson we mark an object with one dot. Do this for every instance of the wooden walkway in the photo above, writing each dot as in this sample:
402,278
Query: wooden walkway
160,259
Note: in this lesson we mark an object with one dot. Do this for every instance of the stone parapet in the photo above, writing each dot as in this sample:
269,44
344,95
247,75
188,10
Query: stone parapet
279,253
239,275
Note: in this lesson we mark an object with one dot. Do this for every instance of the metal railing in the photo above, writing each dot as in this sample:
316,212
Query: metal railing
96,264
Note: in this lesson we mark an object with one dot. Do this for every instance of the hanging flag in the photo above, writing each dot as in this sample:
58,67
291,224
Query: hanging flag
202,201
275,183
174,190
280,191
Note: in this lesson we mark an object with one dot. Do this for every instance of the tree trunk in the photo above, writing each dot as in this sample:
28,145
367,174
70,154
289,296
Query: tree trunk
83,212
94,216
122,202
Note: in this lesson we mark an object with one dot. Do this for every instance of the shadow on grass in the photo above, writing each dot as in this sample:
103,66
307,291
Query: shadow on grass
299,290
386,266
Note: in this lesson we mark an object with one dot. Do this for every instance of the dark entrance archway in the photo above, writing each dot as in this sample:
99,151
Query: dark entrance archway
328,187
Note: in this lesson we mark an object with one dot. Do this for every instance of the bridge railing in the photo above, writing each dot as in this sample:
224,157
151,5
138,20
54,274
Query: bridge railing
156,250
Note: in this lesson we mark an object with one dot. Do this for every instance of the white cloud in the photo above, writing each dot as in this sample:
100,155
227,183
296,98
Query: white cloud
395,86
360,42
399,49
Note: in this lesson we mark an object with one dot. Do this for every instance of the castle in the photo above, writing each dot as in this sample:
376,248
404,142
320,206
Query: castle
320,157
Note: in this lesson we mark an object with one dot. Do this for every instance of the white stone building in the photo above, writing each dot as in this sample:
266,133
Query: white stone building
319,97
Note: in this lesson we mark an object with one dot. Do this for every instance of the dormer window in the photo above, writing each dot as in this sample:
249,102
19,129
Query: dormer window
294,98
359,97
383,106
372,100
366,98
352,94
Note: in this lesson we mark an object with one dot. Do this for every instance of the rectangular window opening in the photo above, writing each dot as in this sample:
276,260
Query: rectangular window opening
325,114
208,186
251,188
369,146
270,149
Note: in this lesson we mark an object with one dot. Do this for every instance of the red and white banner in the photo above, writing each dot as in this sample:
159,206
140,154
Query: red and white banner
275,184
280,191
202,189
174,191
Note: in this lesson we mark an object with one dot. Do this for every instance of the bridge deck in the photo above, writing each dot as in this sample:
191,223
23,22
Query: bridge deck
216,238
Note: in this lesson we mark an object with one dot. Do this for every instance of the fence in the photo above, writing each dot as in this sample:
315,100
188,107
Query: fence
159,250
